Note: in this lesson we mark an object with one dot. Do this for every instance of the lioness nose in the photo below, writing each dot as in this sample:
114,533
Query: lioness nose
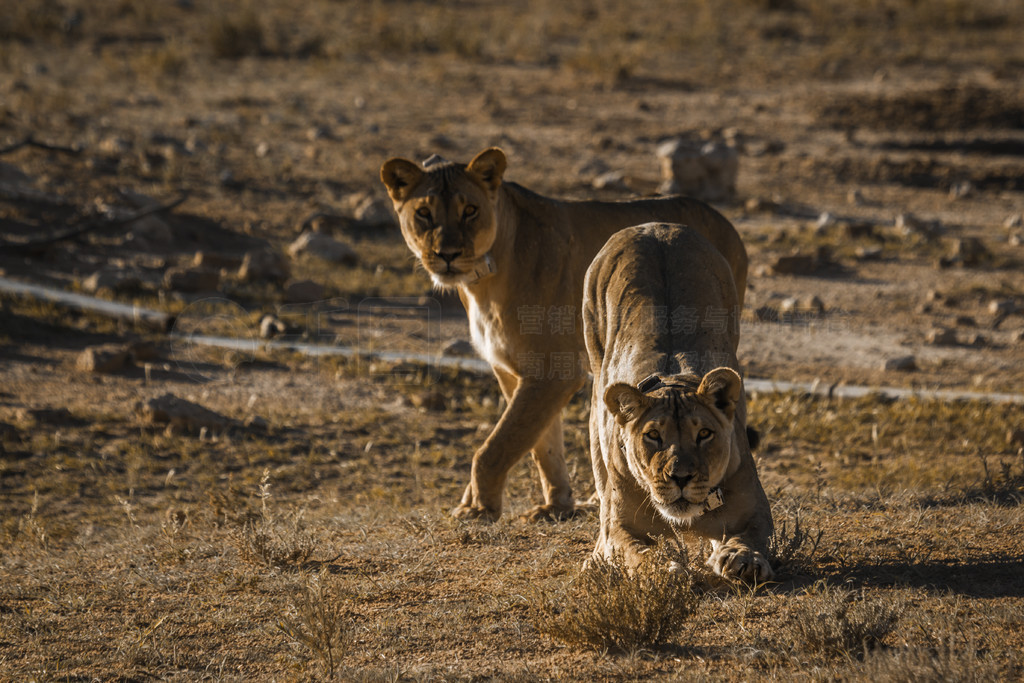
682,480
449,256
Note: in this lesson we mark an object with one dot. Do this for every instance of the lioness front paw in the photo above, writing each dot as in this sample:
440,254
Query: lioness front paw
556,513
464,511
735,560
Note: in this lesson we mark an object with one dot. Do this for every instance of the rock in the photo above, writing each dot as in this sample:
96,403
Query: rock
256,423
907,224
965,321
459,348
869,253
941,336
825,221
760,205
855,197
900,364
323,247
977,340
110,279
304,292
961,190
795,264
142,350
375,212
1002,307
612,180
152,230
271,326
434,401
114,146
263,265
1014,221
102,359
186,279
970,251
592,168
704,170
211,259
1015,437
182,416
859,230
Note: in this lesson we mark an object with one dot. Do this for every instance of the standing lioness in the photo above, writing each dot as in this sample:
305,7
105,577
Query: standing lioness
518,260
668,437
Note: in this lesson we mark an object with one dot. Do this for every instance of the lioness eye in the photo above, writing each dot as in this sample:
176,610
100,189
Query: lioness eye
653,435
469,211
704,435
423,212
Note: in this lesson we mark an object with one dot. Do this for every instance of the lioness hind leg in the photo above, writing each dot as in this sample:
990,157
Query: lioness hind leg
549,457
736,560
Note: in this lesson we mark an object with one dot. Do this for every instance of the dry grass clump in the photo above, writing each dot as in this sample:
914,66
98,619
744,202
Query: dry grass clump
270,541
947,660
792,545
320,622
608,607
836,622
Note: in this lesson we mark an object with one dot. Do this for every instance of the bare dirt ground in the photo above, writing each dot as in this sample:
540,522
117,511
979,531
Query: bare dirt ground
303,533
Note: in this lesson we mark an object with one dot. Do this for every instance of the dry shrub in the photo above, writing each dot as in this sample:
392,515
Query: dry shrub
320,621
607,606
946,661
835,622
236,36
792,545
270,541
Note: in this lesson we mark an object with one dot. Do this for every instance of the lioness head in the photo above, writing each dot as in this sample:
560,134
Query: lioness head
678,441
447,213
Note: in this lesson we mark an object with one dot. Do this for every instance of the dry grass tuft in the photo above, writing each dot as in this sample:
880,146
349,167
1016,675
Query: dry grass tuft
273,542
320,622
792,546
836,622
608,607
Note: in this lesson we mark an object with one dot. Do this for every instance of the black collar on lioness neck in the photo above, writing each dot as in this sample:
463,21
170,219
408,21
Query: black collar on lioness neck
484,267
715,498
655,382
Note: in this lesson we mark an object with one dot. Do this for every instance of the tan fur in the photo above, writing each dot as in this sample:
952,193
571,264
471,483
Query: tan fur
517,260
658,453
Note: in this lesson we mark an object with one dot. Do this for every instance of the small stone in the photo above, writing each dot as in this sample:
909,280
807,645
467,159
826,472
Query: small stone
263,265
965,321
271,326
102,359
460,348
210,259
859,230
256,423
1014,221
612,180
304,292
855,197
142,350
152,230
760,205
1002,307
375,212
971,251
977,340
795,264
181,416
323,247
869,253
941,336
907,224
825,221
110,279
900,364
706,170
961,190
434,401
184,279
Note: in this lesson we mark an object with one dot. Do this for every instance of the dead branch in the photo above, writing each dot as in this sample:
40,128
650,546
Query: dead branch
32,142
38,246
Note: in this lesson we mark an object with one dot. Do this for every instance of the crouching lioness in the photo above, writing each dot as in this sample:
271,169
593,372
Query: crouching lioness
517,260
668,434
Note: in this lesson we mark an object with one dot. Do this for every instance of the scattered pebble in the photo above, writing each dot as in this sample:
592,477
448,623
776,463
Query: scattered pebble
263,265
182,416
102,359
192,279
901,364
706,170
323,247
941,336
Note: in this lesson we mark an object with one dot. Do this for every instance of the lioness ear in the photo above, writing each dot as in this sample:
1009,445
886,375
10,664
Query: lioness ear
489,166
723,387
624,402
401,177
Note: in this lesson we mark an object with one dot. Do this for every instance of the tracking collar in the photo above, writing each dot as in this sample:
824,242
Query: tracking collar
652,382
484,267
